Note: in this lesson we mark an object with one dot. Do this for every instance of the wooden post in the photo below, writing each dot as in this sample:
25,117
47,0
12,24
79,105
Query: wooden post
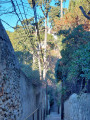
33,116
46,101
44,114
38,114
41,114
62,104
58,109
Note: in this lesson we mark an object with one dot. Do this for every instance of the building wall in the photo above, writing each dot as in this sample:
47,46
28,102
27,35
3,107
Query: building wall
17,94
28,96
77,107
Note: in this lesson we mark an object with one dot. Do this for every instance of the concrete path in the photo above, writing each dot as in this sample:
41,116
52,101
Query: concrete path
53,116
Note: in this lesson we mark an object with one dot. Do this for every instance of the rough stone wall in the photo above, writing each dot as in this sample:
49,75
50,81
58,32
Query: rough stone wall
17,98
10,102
77,107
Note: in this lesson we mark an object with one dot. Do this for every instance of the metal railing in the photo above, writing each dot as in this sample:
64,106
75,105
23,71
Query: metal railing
38,114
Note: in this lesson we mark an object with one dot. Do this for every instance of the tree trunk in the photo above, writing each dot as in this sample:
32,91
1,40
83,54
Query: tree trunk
61,8
45,64
39,63
33,60
37,35
45,45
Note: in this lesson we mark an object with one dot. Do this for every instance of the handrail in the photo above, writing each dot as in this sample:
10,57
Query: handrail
31,114
37,109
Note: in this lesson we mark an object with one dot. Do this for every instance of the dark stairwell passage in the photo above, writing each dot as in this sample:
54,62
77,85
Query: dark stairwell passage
53,112
53,116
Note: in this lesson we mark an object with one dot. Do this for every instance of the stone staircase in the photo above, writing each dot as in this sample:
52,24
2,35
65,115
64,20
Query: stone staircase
53,116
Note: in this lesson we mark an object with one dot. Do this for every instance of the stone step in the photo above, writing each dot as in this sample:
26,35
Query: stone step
53,116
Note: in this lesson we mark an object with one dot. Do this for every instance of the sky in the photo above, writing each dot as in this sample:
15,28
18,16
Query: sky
12,18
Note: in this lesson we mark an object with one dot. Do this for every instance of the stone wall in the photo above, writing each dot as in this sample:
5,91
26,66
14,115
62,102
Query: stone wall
77,107
28,96
17,93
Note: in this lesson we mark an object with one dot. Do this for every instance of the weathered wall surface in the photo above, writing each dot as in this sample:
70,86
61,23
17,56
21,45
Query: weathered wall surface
28,96
77,107
17,97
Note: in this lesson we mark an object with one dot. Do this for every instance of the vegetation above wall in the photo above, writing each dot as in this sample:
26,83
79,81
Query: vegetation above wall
73,69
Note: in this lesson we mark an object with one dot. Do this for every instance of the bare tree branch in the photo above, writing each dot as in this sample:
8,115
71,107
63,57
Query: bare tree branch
84,13
12,12
88,1
6,23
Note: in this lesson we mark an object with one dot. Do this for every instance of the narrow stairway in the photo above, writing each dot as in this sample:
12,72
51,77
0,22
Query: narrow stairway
53,112
53,116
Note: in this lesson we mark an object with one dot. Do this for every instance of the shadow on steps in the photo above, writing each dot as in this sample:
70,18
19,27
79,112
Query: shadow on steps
53,116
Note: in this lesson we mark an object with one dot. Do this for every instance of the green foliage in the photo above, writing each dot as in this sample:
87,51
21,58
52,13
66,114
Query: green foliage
58,71
24,51
77,3
75,58
54,14
58,93
74,8
51,95
43,5
59,42
50,42
82,59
